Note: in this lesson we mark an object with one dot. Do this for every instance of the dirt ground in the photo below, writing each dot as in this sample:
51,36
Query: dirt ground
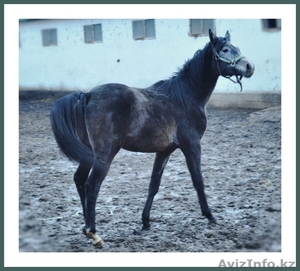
241,165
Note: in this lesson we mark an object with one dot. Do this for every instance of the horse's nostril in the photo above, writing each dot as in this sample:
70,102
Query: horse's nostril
250,69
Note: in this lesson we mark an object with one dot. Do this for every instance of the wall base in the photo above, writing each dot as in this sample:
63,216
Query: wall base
256,100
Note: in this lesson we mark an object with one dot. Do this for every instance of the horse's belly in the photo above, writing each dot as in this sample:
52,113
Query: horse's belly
152,126
149,141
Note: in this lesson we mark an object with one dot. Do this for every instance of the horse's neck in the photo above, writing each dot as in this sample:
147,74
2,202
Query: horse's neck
205,87
208,89
205,79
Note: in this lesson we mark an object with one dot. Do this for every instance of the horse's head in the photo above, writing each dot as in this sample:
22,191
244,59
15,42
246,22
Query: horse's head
229,60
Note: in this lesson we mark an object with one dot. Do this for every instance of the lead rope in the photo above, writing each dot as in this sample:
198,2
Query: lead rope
238,80
232,64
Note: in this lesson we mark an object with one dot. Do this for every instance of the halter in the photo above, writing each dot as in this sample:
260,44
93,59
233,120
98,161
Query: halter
232,63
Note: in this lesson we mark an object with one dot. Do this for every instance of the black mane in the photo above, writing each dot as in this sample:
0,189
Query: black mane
189,80
192,80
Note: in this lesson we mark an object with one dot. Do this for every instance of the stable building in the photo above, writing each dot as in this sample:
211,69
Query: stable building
78,54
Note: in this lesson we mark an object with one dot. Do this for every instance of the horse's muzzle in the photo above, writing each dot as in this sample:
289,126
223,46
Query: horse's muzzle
250,69
244,68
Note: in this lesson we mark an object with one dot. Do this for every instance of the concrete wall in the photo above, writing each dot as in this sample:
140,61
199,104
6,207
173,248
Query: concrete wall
76,65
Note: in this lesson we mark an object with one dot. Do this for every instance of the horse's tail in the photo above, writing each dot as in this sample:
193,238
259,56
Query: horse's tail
67,116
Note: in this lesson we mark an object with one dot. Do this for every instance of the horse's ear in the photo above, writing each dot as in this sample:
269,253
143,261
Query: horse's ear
213,38
227,36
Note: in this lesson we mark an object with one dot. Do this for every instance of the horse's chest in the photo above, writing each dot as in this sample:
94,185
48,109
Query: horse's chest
198,122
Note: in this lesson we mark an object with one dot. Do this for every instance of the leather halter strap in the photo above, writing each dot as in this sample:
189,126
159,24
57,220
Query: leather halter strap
232,63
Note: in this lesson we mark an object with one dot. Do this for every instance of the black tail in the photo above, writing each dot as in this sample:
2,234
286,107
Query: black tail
67,114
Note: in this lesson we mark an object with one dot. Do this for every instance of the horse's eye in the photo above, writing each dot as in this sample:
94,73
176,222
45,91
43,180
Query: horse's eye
225,50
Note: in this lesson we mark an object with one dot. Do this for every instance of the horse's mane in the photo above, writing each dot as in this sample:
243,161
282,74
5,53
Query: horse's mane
188,79
191,80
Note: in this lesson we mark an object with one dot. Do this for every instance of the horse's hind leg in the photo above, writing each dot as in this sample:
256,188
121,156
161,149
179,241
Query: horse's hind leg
80,178
92,187
105,129
160,162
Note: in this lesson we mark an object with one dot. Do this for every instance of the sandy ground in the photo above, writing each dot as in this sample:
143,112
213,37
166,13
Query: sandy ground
241,165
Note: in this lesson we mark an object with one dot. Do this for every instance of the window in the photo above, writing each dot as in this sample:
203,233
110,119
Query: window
49,37
200,27
143,29
271,24
93,33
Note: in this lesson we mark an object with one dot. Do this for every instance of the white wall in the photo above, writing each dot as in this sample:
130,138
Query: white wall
75,65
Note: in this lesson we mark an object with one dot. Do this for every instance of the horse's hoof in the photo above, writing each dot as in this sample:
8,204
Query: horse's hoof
145,228
146,224
212,220
98,242
96,239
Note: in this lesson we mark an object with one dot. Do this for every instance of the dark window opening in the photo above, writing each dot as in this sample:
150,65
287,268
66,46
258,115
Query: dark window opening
200,27
143,29
49,37
271,24
93,33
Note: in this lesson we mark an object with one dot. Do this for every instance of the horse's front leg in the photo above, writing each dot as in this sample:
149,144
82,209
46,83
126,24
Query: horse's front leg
160,162
192,153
